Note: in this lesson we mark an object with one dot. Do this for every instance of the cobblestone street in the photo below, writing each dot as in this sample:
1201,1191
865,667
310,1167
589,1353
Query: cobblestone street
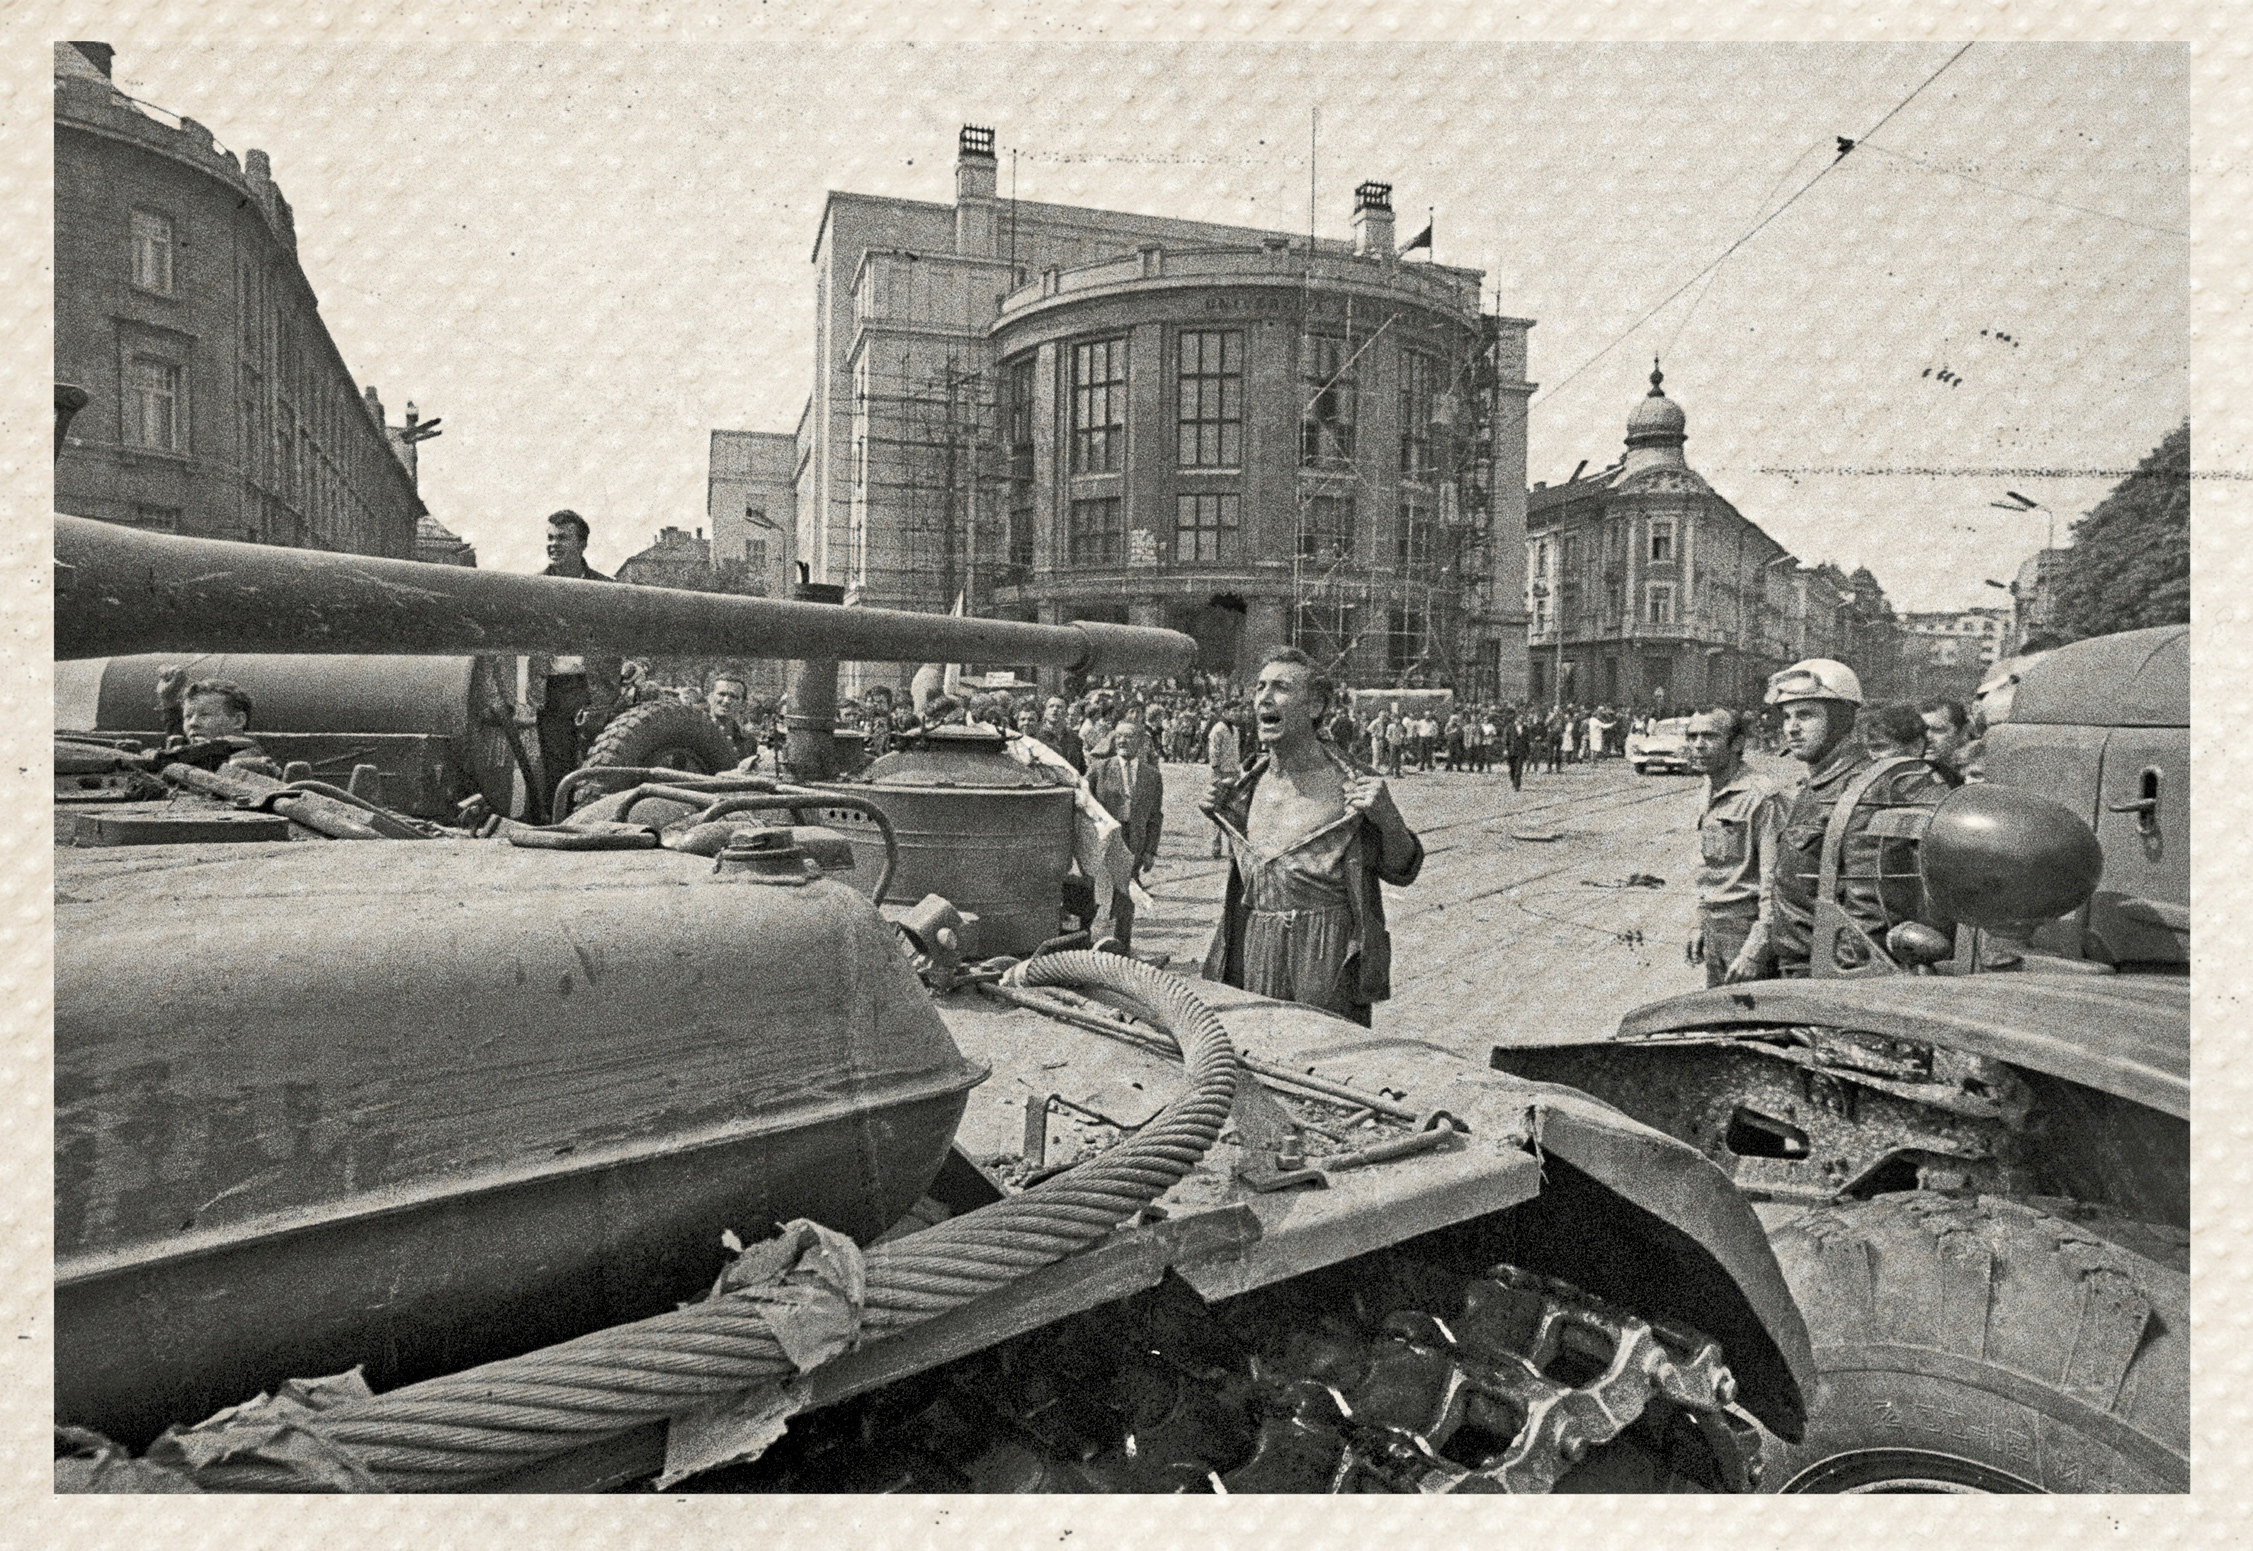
1505,939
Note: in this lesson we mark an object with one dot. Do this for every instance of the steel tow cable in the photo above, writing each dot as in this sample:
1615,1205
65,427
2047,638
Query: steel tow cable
454,1432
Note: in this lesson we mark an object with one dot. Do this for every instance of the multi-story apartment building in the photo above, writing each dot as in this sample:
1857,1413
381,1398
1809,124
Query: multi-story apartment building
751,501
1646,588
218,405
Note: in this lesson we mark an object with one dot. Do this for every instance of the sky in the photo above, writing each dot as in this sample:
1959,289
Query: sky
587,257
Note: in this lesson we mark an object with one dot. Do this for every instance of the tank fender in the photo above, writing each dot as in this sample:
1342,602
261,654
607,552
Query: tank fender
1687,1245
2126,1035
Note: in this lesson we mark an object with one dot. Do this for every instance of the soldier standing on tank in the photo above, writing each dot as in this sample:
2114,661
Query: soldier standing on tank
577,695
1877,881
1739,831
1314,836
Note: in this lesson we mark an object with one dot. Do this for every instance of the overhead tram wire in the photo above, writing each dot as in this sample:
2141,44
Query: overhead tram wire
1845,146
2019,193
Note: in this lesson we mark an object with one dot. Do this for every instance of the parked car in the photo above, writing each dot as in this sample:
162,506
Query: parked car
1664,747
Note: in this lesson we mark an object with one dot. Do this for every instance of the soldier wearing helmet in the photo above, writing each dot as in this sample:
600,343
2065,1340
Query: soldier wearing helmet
1884,800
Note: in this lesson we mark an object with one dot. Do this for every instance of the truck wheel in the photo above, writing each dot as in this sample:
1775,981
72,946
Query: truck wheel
672,737
1982,1346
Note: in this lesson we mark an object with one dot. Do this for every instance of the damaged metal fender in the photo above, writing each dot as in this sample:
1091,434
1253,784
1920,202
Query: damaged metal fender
1624,1211
2125,1035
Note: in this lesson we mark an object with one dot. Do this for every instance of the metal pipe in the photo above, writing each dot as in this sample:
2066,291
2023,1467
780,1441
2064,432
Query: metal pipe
119,590
810,752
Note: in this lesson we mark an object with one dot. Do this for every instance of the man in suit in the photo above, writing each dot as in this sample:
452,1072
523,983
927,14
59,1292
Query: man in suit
1127,783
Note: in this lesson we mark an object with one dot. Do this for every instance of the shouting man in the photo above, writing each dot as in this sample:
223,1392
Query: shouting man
1314,834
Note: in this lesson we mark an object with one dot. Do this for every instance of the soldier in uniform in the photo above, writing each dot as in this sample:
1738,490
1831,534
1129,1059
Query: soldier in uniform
1737,830
1878,887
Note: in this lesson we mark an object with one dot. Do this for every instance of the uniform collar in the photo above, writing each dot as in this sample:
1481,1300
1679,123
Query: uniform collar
1844,760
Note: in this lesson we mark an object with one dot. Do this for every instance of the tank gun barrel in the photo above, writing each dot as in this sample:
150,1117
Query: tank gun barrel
119,590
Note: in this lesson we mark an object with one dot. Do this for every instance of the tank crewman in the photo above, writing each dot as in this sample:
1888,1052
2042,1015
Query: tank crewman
209,722
1314,835
1739,831
1878,886
577,695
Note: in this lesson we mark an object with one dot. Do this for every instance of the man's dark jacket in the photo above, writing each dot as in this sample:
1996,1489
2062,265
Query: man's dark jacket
1878,886
1370,953
1108,779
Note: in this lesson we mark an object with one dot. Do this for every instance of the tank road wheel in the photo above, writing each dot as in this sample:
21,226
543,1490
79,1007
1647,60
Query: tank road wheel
1982,1346
671,737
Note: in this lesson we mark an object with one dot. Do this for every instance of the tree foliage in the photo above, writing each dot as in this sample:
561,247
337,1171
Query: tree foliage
2129,566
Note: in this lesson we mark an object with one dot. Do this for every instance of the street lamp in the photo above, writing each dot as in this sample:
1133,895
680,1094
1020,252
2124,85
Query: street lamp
2020,503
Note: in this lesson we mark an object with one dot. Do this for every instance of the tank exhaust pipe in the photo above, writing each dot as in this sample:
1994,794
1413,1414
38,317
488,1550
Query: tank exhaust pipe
812,749
120,591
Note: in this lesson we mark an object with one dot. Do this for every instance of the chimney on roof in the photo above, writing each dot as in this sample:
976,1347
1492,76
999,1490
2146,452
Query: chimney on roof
98,55
1372,220
977,179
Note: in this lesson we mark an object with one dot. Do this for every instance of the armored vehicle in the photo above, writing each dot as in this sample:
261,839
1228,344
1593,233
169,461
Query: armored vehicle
1977,1164
665,1144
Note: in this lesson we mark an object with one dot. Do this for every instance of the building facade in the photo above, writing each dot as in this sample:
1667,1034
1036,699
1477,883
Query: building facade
1957,638
1045,412
691,561
1646,588
218,404
2033,594
437,544
751,502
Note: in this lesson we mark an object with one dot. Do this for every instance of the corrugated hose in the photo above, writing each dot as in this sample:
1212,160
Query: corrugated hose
452,1433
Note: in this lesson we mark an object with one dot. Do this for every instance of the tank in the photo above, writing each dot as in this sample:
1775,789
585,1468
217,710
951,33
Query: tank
634,1150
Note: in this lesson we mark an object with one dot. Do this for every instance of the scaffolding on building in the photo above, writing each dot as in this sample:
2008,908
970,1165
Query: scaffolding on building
1424,599
927,457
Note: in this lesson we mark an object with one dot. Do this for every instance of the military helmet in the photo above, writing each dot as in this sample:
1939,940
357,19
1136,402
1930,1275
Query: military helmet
1817,678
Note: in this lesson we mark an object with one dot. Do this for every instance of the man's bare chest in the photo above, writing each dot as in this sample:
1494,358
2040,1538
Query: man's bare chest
1284,808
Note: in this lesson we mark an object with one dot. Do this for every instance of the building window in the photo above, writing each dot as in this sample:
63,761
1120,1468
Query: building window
1662,541
1419,382
152,252
1204,529
1020,541
1212,399
157,519
1098,535
1326,421
1021,420
1416,542
1660,609
152,404
1327,533
1405,640
1098,406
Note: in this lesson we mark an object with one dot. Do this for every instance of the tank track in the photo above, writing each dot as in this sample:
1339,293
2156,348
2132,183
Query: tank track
1386,1375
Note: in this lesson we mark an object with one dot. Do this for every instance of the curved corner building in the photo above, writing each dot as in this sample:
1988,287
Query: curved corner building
217,404
1054,413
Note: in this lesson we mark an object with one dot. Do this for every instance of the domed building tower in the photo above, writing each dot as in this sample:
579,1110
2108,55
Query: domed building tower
1647,589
